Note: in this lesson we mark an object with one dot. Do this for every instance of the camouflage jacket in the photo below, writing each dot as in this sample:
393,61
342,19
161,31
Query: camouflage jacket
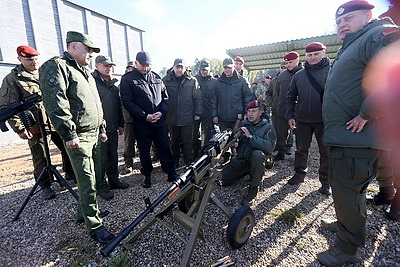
18,85
70,97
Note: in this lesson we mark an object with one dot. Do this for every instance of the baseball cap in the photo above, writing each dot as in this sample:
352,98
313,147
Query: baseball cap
179,62
228,62
82,38
205,65
105,60
143,58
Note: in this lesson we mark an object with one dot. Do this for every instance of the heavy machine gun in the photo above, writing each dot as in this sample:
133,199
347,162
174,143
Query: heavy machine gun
188,196
17,108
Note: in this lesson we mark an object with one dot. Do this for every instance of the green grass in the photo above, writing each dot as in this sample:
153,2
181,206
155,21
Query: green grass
122,259
82,251
291,216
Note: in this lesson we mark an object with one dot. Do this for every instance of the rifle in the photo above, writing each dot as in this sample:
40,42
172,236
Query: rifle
19,107
211,153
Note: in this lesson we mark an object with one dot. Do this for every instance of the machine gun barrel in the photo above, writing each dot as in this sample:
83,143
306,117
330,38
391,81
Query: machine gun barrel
20,106
216,147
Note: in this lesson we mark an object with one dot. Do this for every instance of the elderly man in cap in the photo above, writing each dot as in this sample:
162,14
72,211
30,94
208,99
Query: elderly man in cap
239,64
293,65
304,113
144,96
206,83
111,103
71,98
184,108
349,126
258,140
22,82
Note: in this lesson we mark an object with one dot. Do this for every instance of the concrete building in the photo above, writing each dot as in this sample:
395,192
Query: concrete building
43,24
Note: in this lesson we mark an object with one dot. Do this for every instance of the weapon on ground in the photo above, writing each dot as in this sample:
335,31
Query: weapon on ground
189,195
16,108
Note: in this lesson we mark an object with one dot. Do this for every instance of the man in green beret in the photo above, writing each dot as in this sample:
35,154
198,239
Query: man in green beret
73,103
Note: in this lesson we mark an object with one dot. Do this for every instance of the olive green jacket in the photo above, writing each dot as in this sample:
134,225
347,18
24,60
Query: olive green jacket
18,85
344,97
71,98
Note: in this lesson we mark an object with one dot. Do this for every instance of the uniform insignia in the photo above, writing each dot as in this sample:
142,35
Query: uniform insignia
52,81
340,11
390,31
390,35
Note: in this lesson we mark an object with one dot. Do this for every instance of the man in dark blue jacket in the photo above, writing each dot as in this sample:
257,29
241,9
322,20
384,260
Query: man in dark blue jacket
145,97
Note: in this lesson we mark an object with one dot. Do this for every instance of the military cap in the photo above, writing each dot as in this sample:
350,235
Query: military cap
268,77
105,60
351,6
228,62
315,46
239,58
291,55
143,58
26,51
130,64
254,104
82,38
179,62
205,65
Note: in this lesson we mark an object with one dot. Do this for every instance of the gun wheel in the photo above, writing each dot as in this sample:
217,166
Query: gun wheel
240,227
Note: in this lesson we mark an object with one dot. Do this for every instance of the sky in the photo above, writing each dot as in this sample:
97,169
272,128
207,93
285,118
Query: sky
207,28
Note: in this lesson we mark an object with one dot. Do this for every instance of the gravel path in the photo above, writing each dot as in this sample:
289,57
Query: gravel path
46,233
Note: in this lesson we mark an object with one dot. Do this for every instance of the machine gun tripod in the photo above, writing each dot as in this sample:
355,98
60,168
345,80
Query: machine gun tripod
188,197
49,169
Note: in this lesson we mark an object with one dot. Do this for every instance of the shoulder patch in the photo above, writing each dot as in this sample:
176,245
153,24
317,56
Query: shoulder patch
390,35
52,81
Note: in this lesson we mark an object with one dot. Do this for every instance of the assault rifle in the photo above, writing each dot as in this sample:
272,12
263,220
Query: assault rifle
189,195
17,108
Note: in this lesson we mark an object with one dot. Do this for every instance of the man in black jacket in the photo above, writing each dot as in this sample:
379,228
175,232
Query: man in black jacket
145,97
304,113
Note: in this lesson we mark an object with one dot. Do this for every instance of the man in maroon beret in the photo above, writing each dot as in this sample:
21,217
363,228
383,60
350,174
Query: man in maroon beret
283,132
239,64
349,125
22,82
256,143
304,113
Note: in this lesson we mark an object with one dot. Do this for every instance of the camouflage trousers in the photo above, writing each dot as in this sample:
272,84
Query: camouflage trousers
86,162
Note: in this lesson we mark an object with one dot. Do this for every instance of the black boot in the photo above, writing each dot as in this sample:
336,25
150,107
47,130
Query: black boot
251,194
146,182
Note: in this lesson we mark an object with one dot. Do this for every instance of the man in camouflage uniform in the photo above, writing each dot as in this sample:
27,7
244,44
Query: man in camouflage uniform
22,82
73,103
261,94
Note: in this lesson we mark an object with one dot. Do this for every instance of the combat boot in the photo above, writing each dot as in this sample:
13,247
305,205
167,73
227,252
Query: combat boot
146,182
117,184
337,257
127,169
251,194
106,194
329,225
325,189
296,180
279,156
48,192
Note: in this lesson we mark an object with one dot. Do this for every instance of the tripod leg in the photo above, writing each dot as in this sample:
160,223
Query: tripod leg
62,181
44,171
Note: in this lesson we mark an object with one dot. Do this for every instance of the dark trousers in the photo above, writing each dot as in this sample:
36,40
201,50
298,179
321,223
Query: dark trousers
146,133
129,140
36,146
207,129
284,136
352,169
238,168
109,161
181,135
304,133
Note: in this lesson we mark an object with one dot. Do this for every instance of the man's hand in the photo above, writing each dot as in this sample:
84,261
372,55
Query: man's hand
215,120
292,124
25,135
245,131
103,137
152,118
120,130
196,118
356,124
73,144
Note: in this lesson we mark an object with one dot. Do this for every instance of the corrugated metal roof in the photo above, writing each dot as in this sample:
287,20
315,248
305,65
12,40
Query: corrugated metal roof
269,56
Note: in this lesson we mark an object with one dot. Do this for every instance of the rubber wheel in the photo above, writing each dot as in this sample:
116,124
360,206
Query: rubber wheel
240,227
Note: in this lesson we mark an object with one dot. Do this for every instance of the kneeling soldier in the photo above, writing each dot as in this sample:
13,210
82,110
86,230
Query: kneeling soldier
258,140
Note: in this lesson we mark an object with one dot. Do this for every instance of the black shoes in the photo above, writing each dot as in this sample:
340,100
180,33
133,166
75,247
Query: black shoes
103,236
146,182
279,156
325,189
251,194
172,177
48,192
384,197
105,194
118,185
295,180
